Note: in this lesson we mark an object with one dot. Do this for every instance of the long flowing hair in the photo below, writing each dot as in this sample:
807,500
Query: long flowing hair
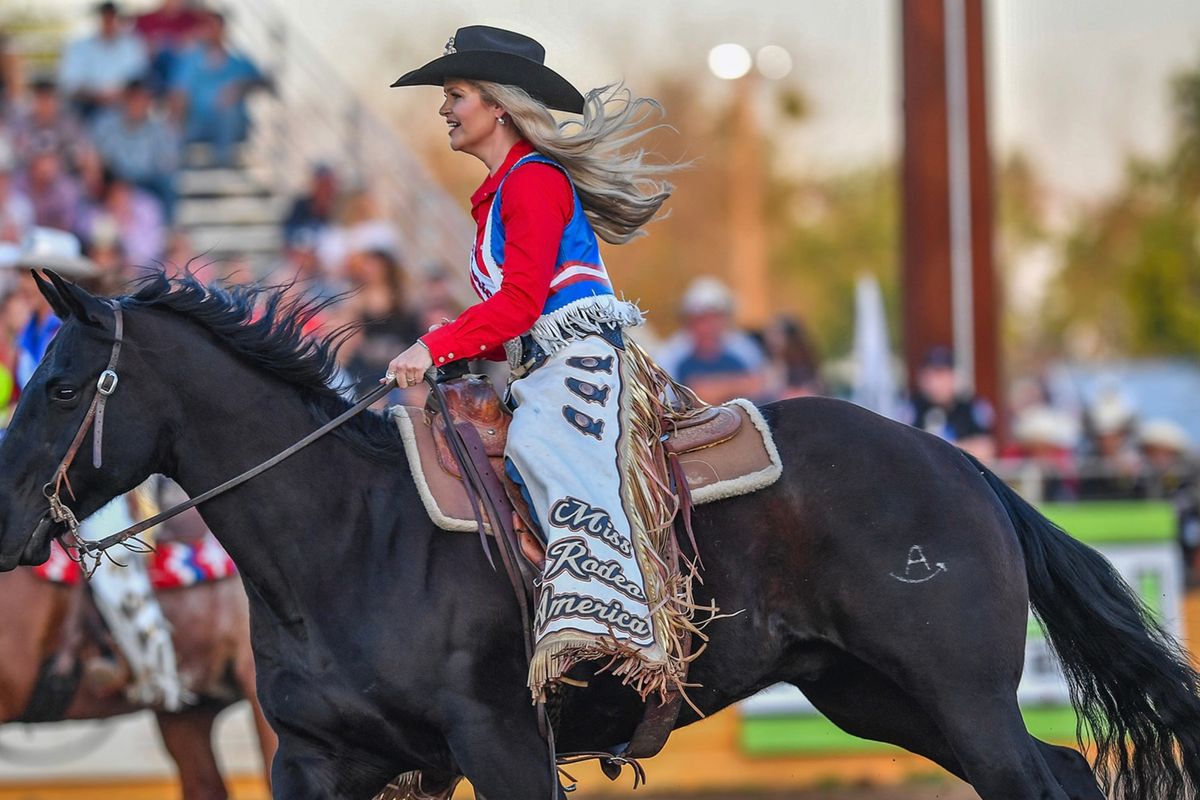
619,189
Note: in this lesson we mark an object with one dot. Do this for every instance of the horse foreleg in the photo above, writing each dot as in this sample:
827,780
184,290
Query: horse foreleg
187,736
268,742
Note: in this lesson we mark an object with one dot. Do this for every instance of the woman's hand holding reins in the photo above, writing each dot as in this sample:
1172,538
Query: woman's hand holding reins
409,367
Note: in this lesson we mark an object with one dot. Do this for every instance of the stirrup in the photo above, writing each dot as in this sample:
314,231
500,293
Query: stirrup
611,764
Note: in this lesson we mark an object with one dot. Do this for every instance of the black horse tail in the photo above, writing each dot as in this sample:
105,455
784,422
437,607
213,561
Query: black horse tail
1131,683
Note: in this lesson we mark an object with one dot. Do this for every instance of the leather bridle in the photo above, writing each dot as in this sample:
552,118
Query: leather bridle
94,420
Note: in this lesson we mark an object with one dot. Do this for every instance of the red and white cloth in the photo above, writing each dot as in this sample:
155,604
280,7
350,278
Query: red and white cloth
172,565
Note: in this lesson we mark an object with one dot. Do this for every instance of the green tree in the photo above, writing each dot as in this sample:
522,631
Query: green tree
832,231
1130,284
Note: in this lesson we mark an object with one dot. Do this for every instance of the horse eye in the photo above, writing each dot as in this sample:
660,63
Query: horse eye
65,394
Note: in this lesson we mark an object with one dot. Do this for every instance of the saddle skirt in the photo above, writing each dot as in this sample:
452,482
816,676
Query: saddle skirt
725,451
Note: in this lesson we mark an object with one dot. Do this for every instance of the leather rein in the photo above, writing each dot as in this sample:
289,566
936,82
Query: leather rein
94,421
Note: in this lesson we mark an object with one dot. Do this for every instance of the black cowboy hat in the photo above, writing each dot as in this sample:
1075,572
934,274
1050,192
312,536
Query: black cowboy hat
480,52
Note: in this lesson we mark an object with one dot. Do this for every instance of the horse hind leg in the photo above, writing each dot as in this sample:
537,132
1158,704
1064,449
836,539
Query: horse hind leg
187,736
999,757
863,702
1072,770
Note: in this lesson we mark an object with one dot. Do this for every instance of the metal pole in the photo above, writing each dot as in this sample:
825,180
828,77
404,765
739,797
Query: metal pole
959,186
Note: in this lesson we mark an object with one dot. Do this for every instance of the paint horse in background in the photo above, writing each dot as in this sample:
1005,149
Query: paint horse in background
384,645
41,676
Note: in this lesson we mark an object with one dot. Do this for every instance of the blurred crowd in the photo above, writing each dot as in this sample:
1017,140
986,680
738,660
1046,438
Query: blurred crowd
90,153
1105,451
90,158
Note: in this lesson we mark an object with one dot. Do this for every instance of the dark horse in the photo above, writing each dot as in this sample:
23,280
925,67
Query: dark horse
383,645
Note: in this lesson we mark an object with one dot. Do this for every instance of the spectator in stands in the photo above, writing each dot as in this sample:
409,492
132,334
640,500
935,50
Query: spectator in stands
1044,450
300,271
140,146
167,31
1170,472
45,124
361,228
1111,463
386,321
133,213
96,68
1166,458
46,248
55,195
709,355
314,211
793,361
104,248
179,253
436,288
16,212
209,91
434,300
939,407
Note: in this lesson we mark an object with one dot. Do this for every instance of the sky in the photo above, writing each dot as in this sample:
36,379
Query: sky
1076,84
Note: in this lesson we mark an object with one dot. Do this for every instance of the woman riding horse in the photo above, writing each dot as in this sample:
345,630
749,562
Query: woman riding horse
582,395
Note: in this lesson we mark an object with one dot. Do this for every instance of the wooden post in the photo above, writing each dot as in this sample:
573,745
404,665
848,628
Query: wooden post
950,295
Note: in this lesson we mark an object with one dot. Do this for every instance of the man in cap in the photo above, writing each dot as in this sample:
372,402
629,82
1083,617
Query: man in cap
1045,440
44,123
710,355
1111,464
96,68
313,212
209,89
1170,471
941,408
16,212
139,146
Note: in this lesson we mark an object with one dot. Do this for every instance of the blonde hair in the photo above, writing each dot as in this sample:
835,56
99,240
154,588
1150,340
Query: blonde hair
619,190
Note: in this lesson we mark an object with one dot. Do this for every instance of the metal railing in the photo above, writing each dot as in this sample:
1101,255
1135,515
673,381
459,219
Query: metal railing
314,116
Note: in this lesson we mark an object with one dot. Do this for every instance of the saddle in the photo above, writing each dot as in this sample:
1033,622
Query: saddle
724,451
717,452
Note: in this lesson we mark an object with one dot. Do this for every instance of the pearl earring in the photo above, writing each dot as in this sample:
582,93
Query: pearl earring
501,121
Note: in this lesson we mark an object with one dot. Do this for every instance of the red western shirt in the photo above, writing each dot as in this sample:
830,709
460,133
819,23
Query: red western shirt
537,206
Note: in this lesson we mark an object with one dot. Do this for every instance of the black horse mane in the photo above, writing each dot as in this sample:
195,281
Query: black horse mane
263,326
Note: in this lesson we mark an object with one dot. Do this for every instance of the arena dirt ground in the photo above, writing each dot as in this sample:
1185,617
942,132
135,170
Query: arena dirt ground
940,791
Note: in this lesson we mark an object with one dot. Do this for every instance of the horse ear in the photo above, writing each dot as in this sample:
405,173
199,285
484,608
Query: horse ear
57,305
84,306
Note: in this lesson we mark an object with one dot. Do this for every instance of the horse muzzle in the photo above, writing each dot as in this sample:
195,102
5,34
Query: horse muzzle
37,547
